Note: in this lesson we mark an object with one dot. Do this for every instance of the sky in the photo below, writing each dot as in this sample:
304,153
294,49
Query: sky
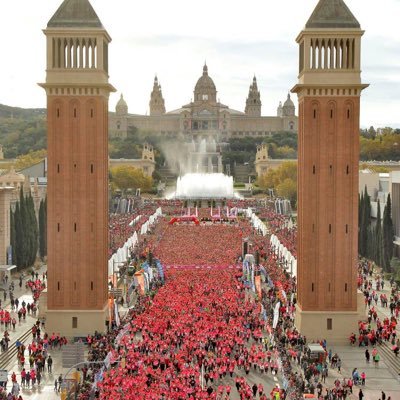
174,38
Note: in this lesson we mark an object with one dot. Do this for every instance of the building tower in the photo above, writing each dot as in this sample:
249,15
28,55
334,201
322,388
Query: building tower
329,90
148,152
157,104
262,161
253,101
77,91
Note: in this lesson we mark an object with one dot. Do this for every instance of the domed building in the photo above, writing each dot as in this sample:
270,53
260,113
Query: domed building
205,117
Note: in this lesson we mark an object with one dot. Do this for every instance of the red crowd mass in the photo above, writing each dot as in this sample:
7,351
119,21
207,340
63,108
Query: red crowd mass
198,319
200,245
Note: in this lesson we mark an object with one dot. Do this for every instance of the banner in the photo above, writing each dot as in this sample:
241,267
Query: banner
140,280
117,321
257,282
276,315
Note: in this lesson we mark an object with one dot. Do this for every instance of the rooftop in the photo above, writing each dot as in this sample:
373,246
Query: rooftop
75,14
332,14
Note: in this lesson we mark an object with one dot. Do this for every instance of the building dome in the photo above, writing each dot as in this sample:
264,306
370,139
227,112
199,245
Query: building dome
288,109
121,107
288,102
205,82
205,89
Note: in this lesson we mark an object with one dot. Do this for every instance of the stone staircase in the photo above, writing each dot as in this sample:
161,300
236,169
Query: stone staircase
242,173
392,362
167,176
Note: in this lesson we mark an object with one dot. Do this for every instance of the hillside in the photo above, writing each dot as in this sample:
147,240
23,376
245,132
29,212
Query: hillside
22,130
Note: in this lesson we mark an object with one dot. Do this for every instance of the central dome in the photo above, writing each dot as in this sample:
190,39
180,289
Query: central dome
205,83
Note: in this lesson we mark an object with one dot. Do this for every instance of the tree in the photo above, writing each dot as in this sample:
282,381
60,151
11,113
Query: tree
282,179
12,235
43,229
127,177
24,232
378,238
288,190
364,223
29,159
388,234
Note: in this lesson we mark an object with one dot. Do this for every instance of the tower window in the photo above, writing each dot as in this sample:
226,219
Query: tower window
75,227
58,285
347,228
74,112
312,287
331,114
329,324
329,287
345,287
313,169
330,169
58,113
58,168
91,285
348,114
74,322
74,285
58,227
330,228
91,113
91,168
347,170
315,113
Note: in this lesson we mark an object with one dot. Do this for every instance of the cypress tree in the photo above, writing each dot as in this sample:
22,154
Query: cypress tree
378,237
18,235
12,236
365,217
388,234
32,228
41,230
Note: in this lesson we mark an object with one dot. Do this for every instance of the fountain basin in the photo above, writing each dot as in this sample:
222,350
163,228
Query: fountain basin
204,186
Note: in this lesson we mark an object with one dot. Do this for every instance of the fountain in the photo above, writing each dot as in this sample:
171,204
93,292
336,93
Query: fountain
204,186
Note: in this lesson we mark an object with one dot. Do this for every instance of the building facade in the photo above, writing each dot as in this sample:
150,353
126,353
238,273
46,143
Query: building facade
77,90
329,90
147,163
204,117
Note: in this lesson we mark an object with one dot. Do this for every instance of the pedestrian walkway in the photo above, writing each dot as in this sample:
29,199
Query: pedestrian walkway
22,333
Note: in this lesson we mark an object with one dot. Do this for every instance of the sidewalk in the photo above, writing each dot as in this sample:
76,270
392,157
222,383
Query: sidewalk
377,378
45,391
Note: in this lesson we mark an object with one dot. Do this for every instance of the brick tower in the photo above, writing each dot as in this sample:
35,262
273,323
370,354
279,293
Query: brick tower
329,90
77,91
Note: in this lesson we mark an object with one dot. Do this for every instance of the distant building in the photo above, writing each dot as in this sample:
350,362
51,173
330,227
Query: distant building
205,117
379,185
147,163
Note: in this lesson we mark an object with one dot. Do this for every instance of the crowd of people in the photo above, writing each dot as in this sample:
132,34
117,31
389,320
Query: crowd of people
204,334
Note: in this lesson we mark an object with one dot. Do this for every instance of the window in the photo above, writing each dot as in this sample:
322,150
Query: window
204,125
205,97
58,285
329,324
74,322
312,287
91,285
195,125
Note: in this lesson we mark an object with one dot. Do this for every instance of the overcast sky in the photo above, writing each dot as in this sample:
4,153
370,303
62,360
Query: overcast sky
173,39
